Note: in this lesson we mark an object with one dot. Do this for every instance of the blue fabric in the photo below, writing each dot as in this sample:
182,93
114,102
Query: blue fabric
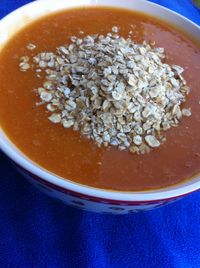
36,231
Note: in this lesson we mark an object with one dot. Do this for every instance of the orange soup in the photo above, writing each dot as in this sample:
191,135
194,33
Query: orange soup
67,153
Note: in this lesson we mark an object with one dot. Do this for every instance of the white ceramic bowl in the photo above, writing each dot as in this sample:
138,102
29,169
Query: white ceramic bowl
72,193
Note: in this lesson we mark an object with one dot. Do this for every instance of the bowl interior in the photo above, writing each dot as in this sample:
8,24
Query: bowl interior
28,13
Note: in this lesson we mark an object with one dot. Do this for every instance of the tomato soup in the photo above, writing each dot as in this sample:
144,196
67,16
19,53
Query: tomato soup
65,152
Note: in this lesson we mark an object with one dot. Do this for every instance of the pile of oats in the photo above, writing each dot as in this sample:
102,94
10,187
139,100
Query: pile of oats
112,90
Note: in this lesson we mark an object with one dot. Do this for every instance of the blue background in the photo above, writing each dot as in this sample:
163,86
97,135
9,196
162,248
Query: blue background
36,231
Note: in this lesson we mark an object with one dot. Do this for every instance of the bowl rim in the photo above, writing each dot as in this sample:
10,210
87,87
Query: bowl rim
18,157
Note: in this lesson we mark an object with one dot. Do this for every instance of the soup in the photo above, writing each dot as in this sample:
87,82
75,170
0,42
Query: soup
67,153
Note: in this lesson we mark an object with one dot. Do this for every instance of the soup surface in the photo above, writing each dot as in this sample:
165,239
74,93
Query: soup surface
66,153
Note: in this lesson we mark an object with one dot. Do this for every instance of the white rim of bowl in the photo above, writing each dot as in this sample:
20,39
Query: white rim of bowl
128,196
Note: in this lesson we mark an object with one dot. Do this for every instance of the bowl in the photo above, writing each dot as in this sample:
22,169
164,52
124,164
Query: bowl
81,196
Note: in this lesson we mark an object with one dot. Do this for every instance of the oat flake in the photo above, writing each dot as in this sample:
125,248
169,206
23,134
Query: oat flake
111,89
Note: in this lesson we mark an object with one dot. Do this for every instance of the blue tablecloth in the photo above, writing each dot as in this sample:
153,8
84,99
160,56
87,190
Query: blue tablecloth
36,231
